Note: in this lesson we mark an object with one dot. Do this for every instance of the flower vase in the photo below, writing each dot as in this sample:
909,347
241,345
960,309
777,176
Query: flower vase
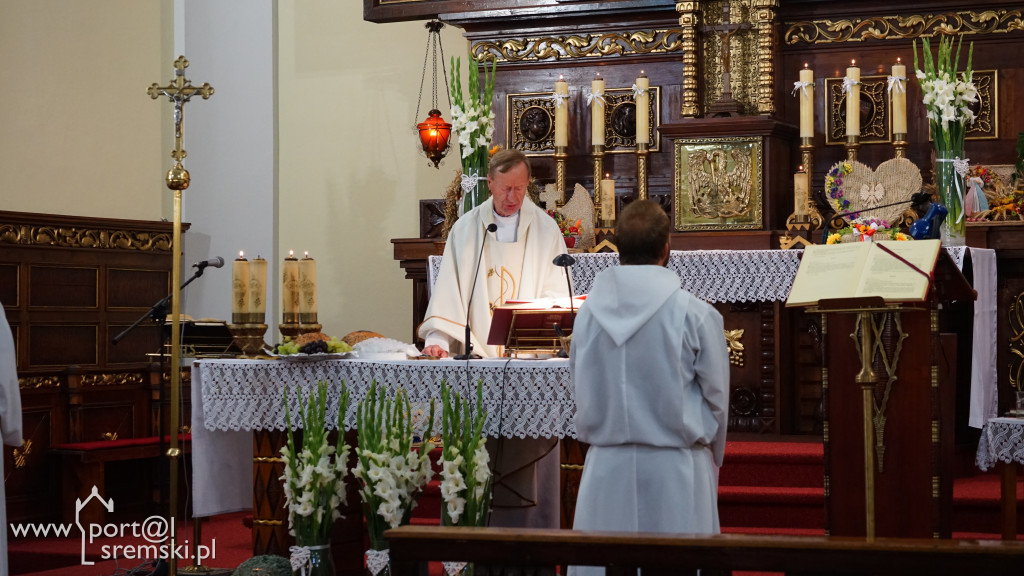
474,180
950,171
318,563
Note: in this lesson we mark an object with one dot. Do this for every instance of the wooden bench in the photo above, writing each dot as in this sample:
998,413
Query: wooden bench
83,465
529,552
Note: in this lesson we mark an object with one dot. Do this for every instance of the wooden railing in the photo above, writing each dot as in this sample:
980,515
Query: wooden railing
527,552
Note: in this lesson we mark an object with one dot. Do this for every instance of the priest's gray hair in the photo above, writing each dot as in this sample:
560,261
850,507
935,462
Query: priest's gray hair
506,159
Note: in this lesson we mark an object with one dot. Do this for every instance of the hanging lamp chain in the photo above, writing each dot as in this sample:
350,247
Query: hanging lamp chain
433,47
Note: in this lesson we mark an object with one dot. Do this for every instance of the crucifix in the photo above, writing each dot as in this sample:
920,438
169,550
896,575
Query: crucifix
179,91
725,105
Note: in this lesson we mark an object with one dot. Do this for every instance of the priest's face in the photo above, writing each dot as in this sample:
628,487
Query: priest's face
508,189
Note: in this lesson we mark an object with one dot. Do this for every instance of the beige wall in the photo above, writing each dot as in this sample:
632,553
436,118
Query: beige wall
350,172
79,134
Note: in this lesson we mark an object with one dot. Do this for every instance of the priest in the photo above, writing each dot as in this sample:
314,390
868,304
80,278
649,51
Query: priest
515,263
650,372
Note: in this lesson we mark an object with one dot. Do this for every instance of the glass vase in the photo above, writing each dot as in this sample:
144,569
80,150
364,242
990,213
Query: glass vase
474,180
951,187
320,561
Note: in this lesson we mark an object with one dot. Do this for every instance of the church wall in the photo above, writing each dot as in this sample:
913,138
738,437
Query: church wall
80,135
351,173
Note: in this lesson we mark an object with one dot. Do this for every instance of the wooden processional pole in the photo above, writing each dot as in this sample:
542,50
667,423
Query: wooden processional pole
179,91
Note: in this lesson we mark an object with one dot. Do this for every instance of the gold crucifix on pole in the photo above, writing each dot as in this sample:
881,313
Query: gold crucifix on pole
179,91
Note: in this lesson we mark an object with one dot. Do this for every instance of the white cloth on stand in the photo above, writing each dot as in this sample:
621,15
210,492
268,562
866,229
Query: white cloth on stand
984,375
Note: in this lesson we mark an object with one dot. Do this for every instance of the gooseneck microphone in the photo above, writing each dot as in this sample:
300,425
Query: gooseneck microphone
468,346
215,262
565,261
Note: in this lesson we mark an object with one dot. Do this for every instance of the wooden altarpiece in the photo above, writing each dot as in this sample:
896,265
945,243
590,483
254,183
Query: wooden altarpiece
912,400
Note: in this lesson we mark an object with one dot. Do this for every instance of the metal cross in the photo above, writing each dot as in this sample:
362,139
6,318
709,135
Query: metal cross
179,91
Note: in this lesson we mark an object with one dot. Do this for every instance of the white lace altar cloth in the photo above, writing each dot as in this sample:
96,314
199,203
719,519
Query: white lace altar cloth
532,397
1002,440
711,275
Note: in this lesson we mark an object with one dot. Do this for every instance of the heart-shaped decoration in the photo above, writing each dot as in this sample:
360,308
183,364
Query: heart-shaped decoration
869,192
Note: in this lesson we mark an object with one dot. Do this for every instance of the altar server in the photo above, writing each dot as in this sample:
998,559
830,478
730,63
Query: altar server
10,418
651,375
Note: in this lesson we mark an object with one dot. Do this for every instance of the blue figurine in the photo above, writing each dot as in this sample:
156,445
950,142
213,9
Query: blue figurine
927,227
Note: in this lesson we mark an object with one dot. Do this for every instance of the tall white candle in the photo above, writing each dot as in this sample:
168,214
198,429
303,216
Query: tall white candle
608,198
853,100
806,95
597,111
239,289
258,288
307,289
290,288
561,112
899,98
643,124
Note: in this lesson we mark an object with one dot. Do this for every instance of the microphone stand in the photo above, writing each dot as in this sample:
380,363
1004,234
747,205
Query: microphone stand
564,261
158,312
468,346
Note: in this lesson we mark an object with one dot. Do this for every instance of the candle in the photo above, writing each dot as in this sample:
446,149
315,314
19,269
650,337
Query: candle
561,112
597,111
258,289
290,289
853,99
800,191
806,94
608,198
898,93
307,290
239,289
642,106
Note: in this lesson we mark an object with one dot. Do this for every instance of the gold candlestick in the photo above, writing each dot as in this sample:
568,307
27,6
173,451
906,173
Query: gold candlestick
641,170
249,338
599,207
899,142
852,145
807,159
561,155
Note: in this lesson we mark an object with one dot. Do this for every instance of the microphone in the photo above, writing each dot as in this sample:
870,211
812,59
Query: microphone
564,261
468,347
216,262
915,199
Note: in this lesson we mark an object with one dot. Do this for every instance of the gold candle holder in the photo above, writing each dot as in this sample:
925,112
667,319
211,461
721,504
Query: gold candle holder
641,170
807,159
561,155
852,145
293,330
599,207
899,142
249,338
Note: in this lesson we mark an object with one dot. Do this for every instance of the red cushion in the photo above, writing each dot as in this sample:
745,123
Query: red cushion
119,443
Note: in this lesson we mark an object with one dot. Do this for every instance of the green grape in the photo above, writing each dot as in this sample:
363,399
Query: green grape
336,346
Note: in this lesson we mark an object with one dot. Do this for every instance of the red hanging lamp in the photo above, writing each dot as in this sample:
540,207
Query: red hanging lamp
434,132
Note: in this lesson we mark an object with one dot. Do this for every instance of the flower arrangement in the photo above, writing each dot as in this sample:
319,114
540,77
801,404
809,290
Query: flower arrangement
564,226
867,230
465,474
948,95
473,120
391,471
833,186
314,477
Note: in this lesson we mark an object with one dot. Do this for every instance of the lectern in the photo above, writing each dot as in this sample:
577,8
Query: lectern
888,397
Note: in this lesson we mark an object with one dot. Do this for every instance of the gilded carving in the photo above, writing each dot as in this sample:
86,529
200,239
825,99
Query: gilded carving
579,46
903,27
986,109
764,26
72,237
744,55
718,183
889,357
121,379
38,382
689,20
1015,320
531,122
733,339
874,111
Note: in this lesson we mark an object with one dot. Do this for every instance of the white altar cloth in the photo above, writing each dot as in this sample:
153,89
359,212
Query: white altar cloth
230,398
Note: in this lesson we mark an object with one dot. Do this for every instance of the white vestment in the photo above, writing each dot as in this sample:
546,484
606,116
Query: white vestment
519,270
650,369
526,491
10,418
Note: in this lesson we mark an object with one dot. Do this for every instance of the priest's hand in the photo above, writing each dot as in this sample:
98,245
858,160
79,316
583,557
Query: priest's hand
435,351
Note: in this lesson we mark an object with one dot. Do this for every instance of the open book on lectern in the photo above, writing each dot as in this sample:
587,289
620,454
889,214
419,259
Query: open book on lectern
895,271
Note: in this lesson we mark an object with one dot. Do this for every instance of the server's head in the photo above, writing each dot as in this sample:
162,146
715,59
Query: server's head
642,234
508,177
